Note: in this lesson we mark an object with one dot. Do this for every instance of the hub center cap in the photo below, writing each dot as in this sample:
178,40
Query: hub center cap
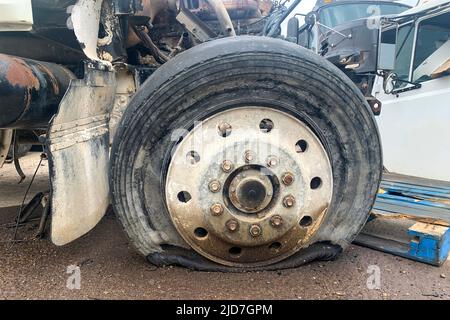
251,191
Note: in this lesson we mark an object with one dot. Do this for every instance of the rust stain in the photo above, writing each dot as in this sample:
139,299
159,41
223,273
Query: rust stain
318,216
18,73
51,77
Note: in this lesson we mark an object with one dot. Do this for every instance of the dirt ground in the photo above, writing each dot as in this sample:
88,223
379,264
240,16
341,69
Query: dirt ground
111,269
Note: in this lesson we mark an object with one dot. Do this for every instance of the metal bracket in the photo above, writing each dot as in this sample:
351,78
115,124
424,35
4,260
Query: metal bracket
195,26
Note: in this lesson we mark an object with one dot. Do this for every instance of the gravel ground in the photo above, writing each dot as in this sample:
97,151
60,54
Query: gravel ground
110,268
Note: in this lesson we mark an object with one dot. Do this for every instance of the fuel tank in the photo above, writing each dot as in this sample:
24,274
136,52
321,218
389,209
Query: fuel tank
30,91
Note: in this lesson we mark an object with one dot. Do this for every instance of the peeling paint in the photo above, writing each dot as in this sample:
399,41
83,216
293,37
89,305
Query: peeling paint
18,73
86,20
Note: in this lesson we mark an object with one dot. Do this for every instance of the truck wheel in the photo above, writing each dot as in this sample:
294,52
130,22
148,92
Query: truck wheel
245,153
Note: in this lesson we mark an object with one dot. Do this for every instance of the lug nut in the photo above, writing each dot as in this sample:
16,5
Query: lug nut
289,201
248,157
227,166
216,209
232,225
288,178
122,100
224,129
276,221
272,161
255,230
214,186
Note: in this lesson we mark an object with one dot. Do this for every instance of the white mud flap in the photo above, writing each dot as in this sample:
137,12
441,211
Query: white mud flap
78,145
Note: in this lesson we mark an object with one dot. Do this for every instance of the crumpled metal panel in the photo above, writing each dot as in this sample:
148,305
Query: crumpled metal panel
85,19
78,145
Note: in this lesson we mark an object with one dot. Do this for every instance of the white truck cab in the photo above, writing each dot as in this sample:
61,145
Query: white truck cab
415,92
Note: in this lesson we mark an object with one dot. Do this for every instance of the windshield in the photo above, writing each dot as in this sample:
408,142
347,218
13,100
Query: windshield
335,15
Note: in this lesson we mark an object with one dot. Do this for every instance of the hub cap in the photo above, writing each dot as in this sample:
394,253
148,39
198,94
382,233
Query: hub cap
249,186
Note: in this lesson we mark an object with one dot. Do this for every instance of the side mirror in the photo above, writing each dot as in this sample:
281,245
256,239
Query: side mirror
390,82
386,57
387,50
311,19
292,29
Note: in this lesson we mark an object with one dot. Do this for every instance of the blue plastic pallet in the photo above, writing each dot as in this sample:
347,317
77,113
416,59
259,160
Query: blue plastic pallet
411,218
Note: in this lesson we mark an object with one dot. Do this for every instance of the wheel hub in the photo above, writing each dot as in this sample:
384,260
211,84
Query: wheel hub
253,194
250,190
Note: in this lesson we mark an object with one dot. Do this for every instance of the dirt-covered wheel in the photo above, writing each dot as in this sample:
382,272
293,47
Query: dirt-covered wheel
245,153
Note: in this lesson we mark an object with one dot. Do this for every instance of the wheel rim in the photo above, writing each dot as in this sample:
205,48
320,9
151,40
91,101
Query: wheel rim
249,186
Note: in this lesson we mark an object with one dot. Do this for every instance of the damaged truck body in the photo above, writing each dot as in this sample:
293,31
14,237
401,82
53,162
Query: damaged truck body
218,148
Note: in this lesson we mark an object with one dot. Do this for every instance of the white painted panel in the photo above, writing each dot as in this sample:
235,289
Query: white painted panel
16,15
415,130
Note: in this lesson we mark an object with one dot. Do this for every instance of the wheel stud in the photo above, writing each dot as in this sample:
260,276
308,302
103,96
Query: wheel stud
289,201
232,225
214,186
248,156
255,230
227,166
216,209
224,129
276,221
288,178
272,161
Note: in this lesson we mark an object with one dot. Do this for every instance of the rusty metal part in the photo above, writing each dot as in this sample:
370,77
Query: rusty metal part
255,230
237,9
227,166
200,30
183,44
225,129
254,219
250,191
30,91
289,201
232,225
150,9
5,143
214,186
287,178
148,42
375,105
43,221
248,156
223,17
99,31
16,158
216,209
125,90
272,161
276,221
111,43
